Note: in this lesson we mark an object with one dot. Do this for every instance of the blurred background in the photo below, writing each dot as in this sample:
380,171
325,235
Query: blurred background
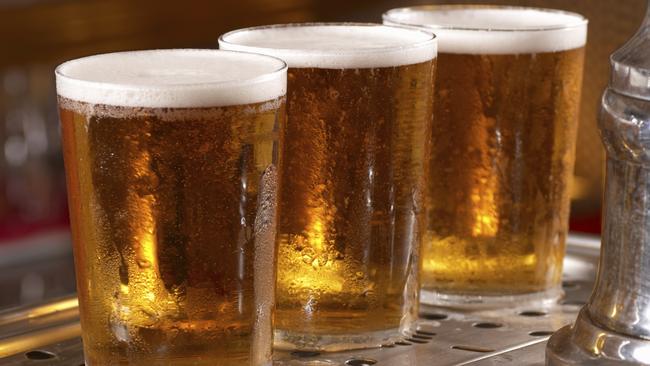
35,35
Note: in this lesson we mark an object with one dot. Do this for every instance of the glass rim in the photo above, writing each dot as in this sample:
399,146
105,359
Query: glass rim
407,46
265,76
580,20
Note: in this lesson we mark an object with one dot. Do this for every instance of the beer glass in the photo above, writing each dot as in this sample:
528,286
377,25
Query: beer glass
506,114
359,106
172,162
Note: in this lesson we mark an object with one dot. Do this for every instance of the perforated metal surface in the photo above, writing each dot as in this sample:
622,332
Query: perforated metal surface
512,336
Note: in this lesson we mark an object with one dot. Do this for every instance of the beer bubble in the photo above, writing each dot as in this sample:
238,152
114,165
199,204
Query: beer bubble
308,251
147,184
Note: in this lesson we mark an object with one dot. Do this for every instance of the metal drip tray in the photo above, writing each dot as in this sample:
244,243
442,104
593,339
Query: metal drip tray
49,334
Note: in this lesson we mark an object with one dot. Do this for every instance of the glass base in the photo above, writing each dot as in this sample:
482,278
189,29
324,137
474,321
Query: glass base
586,343
486,302
291,341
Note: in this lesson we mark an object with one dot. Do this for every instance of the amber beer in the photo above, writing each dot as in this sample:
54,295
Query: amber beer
506,114
172,161
359,116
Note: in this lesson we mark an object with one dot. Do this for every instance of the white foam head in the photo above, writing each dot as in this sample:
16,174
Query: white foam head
179,78
335,45
495,29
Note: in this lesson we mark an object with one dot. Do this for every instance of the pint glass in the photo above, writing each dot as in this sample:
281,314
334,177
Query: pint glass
506,114
172,161
359,108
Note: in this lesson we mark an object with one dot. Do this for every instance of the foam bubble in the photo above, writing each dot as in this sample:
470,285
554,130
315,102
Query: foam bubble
335,45
495,30
180,78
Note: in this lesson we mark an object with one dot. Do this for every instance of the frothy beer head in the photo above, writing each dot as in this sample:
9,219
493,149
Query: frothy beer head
334,45
172,79
494,29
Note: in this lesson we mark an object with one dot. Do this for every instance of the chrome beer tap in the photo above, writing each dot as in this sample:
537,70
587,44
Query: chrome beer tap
614,326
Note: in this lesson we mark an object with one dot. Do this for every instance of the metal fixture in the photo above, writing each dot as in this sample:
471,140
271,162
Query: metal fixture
614,326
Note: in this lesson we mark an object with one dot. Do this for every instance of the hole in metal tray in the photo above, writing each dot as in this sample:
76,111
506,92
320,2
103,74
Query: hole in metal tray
472,349
487,325
541,333
39,355
573,302
533,313
422,336
433,316
425,333
303,354
402,343
418,341
360,362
